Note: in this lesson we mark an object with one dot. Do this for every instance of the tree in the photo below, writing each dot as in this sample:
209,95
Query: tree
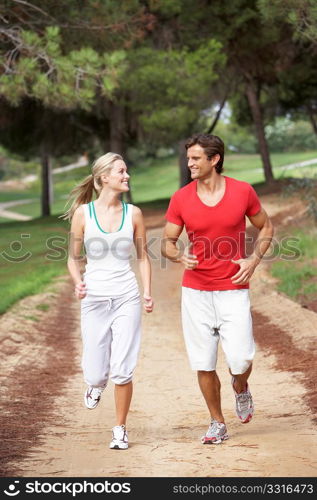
249,46
40,64
301,15
168,89
30,129
297,86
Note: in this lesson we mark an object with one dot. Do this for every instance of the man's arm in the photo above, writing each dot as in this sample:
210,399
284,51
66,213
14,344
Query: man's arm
169,248
247,266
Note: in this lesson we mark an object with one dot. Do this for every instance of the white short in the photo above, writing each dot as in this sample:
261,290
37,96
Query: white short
111,334
208,316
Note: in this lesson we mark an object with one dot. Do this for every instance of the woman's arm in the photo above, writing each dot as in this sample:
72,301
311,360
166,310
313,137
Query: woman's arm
143,258
74,252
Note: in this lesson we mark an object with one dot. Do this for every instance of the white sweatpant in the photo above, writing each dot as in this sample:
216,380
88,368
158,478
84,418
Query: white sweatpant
208,316
111,334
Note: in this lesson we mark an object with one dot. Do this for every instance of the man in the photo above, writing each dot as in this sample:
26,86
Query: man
215,295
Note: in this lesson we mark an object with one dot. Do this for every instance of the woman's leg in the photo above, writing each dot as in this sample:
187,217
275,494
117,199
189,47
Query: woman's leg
96,337
126,336
123,396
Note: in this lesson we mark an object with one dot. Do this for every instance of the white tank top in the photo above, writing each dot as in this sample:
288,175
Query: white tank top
108,272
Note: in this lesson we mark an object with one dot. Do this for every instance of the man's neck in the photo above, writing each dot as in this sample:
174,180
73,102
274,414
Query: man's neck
212,184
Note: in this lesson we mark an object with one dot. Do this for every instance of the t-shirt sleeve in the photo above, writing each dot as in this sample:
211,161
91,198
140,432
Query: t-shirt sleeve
254,205
173,213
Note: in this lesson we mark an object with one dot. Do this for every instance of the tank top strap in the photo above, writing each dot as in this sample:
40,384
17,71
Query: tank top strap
88,213
90,209
129,214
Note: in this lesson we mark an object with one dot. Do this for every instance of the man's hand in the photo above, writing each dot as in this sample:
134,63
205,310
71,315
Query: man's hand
247,267
188,259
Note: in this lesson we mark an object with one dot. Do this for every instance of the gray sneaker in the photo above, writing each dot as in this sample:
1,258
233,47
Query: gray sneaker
217,432
244,404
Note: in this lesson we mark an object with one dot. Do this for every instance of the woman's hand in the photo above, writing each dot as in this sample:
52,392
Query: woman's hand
148,303
80,290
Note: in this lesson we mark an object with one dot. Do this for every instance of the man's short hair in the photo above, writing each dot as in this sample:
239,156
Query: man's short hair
211,144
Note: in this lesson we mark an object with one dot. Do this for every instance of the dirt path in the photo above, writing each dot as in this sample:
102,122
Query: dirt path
168,415
8,214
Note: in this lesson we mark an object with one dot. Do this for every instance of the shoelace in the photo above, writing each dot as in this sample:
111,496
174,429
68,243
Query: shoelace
90,395
120,434
243,401
214,428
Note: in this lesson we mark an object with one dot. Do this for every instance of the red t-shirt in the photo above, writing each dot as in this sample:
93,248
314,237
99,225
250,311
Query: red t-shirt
217,233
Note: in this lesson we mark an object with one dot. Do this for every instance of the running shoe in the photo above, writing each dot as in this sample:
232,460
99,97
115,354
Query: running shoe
244,404
119,438
217,432
92,397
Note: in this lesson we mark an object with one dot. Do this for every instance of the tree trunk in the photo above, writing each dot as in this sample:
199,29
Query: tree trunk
256,112
218,114
312,117
47,186
185,177
117,129
117,136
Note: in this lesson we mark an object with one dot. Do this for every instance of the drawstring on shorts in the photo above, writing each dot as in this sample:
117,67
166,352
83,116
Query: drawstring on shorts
108,303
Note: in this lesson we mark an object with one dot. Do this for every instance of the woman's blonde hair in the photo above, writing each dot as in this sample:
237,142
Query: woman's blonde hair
83,192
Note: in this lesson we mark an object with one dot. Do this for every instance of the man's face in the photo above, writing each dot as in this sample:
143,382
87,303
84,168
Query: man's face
199,165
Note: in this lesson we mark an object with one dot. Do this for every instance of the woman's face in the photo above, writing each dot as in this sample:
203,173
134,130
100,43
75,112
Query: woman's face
118,177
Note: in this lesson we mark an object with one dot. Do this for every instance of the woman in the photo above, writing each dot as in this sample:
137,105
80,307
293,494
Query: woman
108,290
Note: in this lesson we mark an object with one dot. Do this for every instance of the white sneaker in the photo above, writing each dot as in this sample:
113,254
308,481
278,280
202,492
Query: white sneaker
92,397
119,438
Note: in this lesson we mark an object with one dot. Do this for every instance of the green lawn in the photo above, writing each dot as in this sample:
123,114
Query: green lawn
296,266
28,264
159,178
32,253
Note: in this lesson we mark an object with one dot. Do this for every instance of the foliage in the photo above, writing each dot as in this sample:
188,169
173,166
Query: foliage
167,89
300,14
237,139
307,187
68,81
288,135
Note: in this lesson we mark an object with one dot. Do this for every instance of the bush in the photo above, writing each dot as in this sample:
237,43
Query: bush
287,135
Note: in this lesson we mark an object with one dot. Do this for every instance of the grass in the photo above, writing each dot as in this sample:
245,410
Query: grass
33,254
296,268
158,178
28,265
32,318
43,307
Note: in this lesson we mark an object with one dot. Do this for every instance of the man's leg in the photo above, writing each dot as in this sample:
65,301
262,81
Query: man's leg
240,381
210,387
233,307
209,384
